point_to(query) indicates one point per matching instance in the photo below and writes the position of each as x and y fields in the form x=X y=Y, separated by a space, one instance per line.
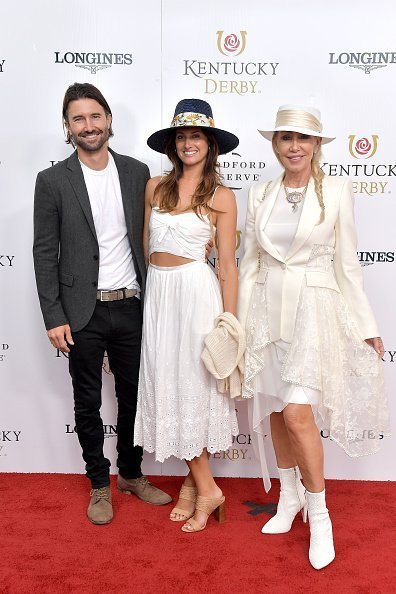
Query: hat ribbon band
x=190 y=119
x=298 y=118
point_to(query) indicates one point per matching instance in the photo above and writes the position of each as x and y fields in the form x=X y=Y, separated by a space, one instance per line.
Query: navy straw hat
x=191 y=113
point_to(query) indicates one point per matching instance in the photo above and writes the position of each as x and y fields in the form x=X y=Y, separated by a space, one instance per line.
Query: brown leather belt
x=115 y=295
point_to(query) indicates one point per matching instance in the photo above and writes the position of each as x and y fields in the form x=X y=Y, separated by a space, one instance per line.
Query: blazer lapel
x=309 y=218
x=262 y=215
x=77 y=182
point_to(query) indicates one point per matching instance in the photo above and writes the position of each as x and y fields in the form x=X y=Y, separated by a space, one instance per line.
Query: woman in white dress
x=312 y=341
x=180 y=410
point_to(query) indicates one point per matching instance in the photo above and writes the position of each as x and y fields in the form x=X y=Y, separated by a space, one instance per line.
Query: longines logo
x=240 y=170
x=366 y=61
x=108 y=430
x=355 y=435
x=6 y=261
x=231 y=76
x=367 y=258
x=363 y=147
x=93 y=61
x=8 y=437
x=105 y=365
x=213 y=261
x=2 y=66
x=3 y=348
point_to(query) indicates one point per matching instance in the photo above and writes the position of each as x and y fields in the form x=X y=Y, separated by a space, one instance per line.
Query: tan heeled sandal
x=188 y=494
x=207 y=505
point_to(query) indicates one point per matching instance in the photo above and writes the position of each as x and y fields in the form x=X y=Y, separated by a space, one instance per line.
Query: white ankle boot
x=291 y=501
x=321 y=548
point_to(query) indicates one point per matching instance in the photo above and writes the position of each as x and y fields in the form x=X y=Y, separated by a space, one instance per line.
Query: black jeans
x=115 y=327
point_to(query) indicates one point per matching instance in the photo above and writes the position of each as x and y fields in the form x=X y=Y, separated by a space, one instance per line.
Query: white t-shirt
x=116 y=268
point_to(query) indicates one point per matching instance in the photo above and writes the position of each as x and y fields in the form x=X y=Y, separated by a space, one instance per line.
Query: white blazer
x=284 y=276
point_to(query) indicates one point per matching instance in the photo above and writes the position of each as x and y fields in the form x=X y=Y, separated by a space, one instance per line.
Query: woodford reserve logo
x=230 y=76
x=93 y=61
x=366 y=61
x=236 y=170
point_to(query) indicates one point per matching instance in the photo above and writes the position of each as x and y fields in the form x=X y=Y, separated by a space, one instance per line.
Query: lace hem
x=192 y=453
x=328 y=355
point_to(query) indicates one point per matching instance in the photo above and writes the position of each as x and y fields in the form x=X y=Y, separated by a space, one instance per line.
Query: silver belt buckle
x=101 y=295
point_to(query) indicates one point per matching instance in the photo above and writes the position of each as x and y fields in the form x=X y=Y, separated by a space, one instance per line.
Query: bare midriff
x=165 y=259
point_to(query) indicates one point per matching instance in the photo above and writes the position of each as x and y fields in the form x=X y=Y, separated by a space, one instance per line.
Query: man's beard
x=91 y=147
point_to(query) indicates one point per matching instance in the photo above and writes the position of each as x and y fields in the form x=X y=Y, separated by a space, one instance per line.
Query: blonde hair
x=316 y=172
x=318 y=176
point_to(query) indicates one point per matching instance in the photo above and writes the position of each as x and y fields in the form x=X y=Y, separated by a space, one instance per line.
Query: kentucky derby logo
x=231 y=44
x=362 y=148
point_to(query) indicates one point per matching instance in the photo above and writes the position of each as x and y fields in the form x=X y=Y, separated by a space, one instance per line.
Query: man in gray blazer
x=90 y=274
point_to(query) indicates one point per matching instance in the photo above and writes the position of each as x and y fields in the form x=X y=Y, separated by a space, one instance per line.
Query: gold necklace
x=294 y=198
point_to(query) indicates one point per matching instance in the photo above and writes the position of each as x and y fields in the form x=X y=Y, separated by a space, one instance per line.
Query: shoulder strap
x=213 y=195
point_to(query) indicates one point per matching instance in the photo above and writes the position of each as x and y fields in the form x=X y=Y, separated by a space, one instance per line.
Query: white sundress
x=180 y=411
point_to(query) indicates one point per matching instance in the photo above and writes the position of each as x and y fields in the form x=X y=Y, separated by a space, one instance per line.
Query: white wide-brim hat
x=298 y=118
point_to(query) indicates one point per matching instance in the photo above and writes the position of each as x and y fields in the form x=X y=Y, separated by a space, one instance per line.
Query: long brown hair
x=316 y=172
x=166 y=194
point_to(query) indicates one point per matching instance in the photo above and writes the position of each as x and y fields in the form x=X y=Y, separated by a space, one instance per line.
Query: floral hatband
x=192 y=119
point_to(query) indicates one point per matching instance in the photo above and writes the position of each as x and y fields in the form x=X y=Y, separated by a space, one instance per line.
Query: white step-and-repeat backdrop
x=245 y=60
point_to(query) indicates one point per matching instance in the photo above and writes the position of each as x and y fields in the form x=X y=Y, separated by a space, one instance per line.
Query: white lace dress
x=327 y=365
x=179 y=410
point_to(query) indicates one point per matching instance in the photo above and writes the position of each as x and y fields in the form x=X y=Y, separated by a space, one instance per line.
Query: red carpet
x=48 y=546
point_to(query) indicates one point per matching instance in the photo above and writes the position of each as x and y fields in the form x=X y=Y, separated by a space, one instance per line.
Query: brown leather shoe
x=100 y=510
x=143 y=489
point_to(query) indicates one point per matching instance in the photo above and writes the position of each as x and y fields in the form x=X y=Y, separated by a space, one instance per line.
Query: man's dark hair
x=83 y=91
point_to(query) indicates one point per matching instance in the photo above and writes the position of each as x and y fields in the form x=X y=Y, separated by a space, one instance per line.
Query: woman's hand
x=377 y=345
x=208 y=249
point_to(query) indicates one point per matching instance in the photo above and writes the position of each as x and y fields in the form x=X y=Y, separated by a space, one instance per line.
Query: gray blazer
x=66 y=250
